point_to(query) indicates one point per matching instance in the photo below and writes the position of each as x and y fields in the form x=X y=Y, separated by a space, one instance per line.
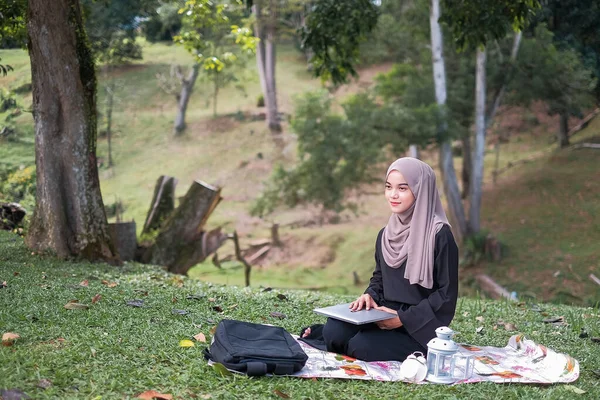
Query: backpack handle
x=255 y=368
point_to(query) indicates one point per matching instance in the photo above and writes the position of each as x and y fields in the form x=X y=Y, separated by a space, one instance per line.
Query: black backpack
x=255 y=349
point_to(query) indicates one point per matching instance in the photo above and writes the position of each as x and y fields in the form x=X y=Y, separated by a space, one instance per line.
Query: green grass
x=113 y=351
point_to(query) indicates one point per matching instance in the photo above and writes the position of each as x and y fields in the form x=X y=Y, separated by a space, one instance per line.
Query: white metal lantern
x=442 y=355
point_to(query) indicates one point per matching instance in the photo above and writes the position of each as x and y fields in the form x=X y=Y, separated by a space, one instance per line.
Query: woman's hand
x=365 y=301
x=391 y=323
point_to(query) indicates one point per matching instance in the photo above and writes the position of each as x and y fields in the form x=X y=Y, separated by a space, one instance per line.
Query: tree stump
x=181 y=242
x=275 y=235
x=493 y=248
x=162 y=205
x=124 y=238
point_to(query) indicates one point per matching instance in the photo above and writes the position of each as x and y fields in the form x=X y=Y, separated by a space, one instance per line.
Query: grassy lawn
x=115 y=351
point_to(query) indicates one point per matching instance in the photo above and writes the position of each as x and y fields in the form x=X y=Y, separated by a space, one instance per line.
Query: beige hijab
x=410 y=235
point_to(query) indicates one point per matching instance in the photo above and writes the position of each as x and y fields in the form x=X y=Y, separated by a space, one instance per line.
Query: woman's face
x=397 y=192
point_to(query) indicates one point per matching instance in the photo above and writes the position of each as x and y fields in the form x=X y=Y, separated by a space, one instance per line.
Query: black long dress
x=420 y=310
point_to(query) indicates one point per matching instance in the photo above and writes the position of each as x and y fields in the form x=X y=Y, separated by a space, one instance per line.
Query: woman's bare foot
x=306 y=332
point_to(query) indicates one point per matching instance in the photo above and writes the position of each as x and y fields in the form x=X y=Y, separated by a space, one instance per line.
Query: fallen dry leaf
x=200 y=337
x=510 y=327
x=136 y=303
x=282 y=296
x=9 y=338
x=71 y=305
x=109 y=284
x=281 y=394
x=96 y=298
x=574 y=389
x=480 y=318
x=206 y=396
x=277 y=314
x=3 y=285
x=213 y=330
x=218 y=308
x=84 y=283
x=153 y=394
x=44 y=383
x=16 y=273
x=232 y=307
x=212 y=299
x=186 y=343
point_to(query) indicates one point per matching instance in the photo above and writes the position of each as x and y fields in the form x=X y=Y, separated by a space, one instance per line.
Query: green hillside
x=543 y=211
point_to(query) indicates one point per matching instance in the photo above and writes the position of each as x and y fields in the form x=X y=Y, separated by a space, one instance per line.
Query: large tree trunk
x=69 y=217
x=265 y=29
x=563 y=132
x=455 y=206
x=479 y=151
x=187 y=86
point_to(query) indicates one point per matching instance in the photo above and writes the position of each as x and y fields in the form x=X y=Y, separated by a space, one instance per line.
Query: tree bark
x=479 y=151
x=69 y=217
x=265 y=28
x=500 y=94
x=187 y=86
x=109 y=107
x=455 y=207
x=162 y=205
x=563 y=132
x=467 y=164
x=413 y=151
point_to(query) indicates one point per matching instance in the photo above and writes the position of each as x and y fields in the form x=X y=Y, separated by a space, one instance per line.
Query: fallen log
x=262 y=251
x=181 y=242
x=490 y=287
x=162 y=205
x=595 y=279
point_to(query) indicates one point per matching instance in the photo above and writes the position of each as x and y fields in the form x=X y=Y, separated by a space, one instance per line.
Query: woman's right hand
x=365 y=301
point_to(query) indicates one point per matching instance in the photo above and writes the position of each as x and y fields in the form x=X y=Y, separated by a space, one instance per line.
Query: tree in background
x=69 y=218
x=12 y=27
x=556 y=77
x=112 y=26
x=475 y=23
x=574 y=24
x=335 y=151
x=210 y=34
x=333 y=32
x=165 y=22
x=266 y=15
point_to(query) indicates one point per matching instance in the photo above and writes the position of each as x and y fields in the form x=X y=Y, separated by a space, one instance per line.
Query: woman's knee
x=336 y=334
x=360 y=347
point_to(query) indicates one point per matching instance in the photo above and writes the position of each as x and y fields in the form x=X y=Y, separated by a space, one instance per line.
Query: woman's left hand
x=391 y=323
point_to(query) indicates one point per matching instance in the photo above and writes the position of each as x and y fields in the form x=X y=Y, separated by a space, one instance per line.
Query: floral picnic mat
x=521 y=361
